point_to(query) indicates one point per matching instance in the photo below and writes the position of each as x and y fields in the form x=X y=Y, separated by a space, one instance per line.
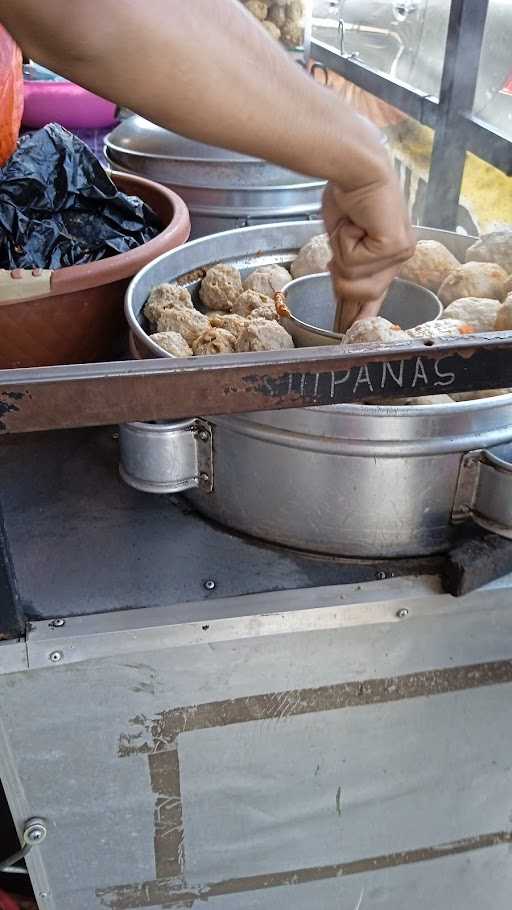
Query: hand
x=371 y=236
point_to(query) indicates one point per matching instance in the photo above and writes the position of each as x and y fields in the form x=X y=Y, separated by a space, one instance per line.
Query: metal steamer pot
x=350 y=480
x=223 y=190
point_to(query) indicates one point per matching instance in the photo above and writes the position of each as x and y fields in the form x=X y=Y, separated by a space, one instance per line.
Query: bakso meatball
x=493 y=247
x=374 y=329
x=430 y=265
x=478 y=312
x=504 y=316
x=220 y=287
x=266 y=311
x=172 y=343
x=277 y=15
x=479 y=396
x=249 y=301
x=258 y=8
x=292 y=33
x=188 y=323
x=228 y=321
x=272 y=29
x=445 y=328
x=267 y=280
x=214 y=341
x=163 y=298
x=264 y=335
x=474 y=279
x=314 y=257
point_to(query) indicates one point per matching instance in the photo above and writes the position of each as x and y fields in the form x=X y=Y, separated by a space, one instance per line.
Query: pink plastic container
x=63 y=102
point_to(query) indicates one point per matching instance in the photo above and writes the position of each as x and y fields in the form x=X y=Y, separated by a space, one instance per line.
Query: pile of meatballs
x=282 y=19
x=240 y=314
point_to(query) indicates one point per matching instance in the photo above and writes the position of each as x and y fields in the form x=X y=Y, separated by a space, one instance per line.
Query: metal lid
x=148 y=150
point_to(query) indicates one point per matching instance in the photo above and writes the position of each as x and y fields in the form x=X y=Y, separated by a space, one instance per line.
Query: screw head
x=55 y=657
x=380 y=576
x=35 y=831
x=204 y=435
x=204 y=477
x=57 y=623
x=210 y=584
x=401 y=614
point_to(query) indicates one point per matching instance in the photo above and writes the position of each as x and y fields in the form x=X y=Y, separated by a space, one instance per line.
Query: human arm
x=204 y=68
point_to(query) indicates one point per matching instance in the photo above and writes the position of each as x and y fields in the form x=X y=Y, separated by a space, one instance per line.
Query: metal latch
x=167 y=457
x=484 y=492
x=34 y=833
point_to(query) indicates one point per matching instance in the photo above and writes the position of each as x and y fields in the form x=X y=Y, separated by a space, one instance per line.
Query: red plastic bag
x=11 y=95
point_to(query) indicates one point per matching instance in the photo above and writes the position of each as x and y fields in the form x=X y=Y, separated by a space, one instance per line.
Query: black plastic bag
x=59 y=207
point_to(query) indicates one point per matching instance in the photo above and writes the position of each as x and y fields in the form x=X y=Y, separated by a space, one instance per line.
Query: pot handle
x=22 y=284
x=484 y=491
x=167 y=457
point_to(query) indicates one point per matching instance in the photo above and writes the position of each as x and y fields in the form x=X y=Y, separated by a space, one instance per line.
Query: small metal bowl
x=312 y=305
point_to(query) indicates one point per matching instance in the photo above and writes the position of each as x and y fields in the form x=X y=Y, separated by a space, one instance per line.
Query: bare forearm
x=205 y=69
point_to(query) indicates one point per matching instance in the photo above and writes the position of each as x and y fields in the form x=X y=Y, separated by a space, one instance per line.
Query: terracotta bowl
x=80 y=317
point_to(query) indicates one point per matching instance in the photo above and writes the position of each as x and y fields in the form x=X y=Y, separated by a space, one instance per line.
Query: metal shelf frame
x=456 y=129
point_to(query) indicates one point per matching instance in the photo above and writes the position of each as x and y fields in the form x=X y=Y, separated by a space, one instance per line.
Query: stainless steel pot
x=223 y=190
x=349 y=480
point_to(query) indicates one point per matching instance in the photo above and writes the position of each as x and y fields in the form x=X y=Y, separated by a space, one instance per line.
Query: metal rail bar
x=101 y=394
x=490 y=145
x=422 y=107
x=464 y=41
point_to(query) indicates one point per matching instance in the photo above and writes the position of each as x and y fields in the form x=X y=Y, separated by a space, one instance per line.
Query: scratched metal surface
x=286 y=809
x=81 y=541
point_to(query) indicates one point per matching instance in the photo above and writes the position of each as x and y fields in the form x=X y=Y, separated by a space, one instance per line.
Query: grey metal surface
x=312 y=305
x=366 y=763
x=83 y=542
x=353 y=480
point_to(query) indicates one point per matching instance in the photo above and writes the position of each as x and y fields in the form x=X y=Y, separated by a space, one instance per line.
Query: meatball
x=425 y=399
x=508 y=286
x=267 y=280
x=494 y=247
x=214 y=341
x=295 y=10
x=228 y=321
x=504 y=316
x=258 y=8
x=478 y=396
x=249 y=301
x=272 y=29
x=277 y=15
x=474 y=279
x=313 y=257
x=478 y=312
x=430 y=265
x=173 y=343
x=375 y=328
x=163 y=298
x=266 y=311
x=220 y=287
x=264 y=335
x=445 y=328
x=189 y=323
x=292 y=33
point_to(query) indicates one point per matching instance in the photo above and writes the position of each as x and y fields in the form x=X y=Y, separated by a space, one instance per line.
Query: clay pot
x=80 y=317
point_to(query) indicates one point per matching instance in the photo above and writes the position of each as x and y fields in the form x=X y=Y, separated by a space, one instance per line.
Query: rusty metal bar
x=165 y=389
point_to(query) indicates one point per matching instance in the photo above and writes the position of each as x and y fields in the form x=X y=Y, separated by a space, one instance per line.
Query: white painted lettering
x=363 y=378
x=419 y=373
x=449 y=378
x=335 y=381
x=397 y=376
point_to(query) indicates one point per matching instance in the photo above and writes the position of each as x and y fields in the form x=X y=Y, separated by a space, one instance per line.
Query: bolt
x=210 y=585
x=35 y=831
x=57 y=623
x=43 y=894
x=204 y=477
x=401 y=614
x=115 y=435
x=55 y=657
x=380 y=576
x=204 y=435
